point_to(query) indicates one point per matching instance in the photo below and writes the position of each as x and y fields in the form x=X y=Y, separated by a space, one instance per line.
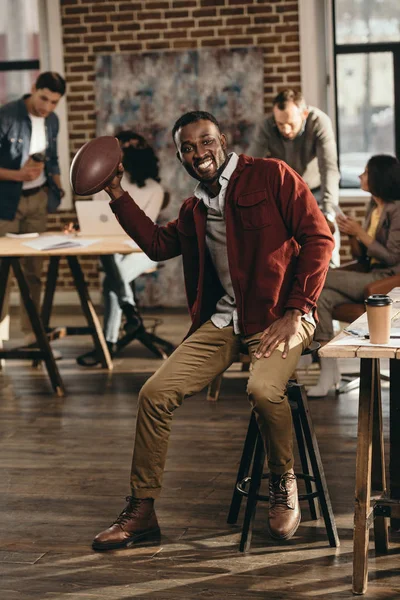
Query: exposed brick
x=66 y=2
x=176 y=14
x=204 y=12
x=287 y=8
x=71 y=20
x=232 y=10
x=95 y=18
x=293 y=37
x=230 y=31
x=289 y=48
x=257 y=29
x=214 y=42
x=169 y=35
x=155 y=5
x=130 y=6
x=128 y=26
x=82 y=107
x=267 y=19
x=121 y=17
x=75 y=29
x=157 y=45
x=94 y=38
x=183 y=23
x=241 y=41
x=145 y=16
x=159 y=25
x=148 y=35
x=73 y=59
x=184 y=3
x=104 y=8
x=104 y=48
x=238 y=21
x=212 y=2
x=259 y=9
x=292 y=18
x=100 y=28
x=76 y=10
x=286 y=28
x=210 y=22
x=184 y=44
x=121 y=37
x=201 y=33
x=69 y=49
x=132 y=46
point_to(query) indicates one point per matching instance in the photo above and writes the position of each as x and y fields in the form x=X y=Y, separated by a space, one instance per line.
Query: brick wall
x=92 y=27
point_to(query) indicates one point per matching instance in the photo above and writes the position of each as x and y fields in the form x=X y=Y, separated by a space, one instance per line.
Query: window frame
x=367 y=48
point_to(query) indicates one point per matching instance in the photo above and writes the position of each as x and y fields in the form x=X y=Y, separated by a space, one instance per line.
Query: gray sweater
x=312 y=154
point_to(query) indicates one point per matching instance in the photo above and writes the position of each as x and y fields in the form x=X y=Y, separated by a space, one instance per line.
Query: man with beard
x=303 y=137
x=255 y=250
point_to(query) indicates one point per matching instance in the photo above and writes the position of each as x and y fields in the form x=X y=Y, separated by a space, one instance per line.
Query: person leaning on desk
x=375 y=245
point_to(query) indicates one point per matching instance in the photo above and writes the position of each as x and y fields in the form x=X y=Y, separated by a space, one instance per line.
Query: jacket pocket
x=254 y=210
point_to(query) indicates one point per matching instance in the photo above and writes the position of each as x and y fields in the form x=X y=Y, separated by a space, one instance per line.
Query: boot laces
x=130 y=510
x=279 y=494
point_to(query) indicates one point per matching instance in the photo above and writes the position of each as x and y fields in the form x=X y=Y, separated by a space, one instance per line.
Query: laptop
x=95 y=217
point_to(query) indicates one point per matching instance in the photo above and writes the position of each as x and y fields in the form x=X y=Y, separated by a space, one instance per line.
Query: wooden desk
x=372 y=503
x=11 y=251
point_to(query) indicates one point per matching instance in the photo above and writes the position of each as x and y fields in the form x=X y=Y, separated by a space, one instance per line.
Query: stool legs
x=305 y=466
x=250 y=513
x=244 y=467
x=316 y=465
x=311 y=464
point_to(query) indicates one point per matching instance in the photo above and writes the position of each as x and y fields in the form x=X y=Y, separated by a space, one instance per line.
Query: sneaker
x=136 y=523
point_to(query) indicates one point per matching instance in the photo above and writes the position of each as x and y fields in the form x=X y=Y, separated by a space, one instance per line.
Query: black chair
x=147 y=335
x=253 y=457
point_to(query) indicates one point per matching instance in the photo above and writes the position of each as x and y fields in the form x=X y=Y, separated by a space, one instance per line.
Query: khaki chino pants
x=205 y=354
x=31 y=217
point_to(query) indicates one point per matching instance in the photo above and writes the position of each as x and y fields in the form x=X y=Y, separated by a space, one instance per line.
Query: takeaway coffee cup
x=378 y=315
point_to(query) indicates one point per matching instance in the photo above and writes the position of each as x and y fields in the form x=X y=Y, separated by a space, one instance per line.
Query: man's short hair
x=193 y=117
x=289 y=95
x=52 y=81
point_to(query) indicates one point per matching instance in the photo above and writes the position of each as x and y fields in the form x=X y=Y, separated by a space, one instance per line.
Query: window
x=367 y=69
x=19 y=48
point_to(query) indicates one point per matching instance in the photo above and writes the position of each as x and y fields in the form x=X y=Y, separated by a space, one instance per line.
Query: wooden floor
x=64 y=475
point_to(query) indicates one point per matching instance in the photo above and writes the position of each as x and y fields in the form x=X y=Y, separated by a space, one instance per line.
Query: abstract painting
x=148 y=92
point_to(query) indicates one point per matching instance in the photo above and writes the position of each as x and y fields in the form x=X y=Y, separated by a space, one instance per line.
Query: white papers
x=22 y=235
x=350 y=340
x=132 y=244
x=59 y=242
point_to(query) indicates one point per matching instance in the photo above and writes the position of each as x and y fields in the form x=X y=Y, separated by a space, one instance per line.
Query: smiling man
x=30 y=184
x=303 y=137
x=255 y=250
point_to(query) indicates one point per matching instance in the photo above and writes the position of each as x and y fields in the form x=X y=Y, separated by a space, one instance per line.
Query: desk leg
x=378 y=464
x=38 y=328
x=90 y=314
x=51 y=282
x=363 y=475
x=4 y=273
x=394 y=461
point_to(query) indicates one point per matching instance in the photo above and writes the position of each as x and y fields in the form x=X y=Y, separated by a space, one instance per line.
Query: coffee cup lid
x=378 y=300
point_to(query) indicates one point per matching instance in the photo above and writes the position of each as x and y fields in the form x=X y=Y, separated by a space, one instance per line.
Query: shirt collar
x=201 y=192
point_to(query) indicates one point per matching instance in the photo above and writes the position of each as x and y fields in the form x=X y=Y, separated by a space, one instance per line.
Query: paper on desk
x=132 y=244
x=58 y=242
x=22 y=235
x=352 y=340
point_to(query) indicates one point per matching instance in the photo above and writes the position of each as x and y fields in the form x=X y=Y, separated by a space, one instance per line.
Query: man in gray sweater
x=303 y=137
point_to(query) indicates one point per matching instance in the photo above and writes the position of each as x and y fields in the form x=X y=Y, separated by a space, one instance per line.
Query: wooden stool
x=311 y=464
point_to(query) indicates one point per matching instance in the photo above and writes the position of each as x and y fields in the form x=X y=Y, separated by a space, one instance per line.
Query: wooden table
x=373 y=504
x=12 y=250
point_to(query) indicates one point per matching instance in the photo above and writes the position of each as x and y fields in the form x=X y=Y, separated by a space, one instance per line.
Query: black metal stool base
x=253 y=456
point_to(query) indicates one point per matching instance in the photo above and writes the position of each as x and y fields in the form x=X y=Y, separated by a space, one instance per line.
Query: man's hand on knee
x=281 y=331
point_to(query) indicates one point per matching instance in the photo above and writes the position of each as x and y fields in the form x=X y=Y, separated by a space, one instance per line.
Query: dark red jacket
x=278 y=242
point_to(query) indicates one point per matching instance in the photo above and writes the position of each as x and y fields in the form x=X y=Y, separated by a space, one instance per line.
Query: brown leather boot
x=136 y=523
x=284 y=509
